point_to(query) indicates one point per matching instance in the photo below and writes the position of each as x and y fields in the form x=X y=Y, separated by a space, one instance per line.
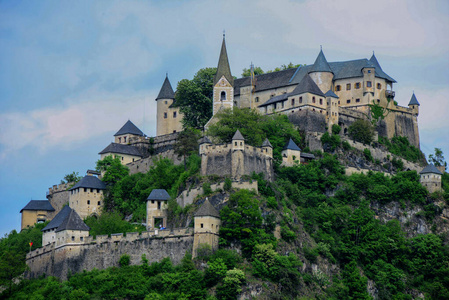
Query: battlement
x=59 y=188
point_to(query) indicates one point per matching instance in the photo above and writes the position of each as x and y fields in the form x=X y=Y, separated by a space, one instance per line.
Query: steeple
x=166 y=91
x=223 y=68
x=321 y=64
x=413 y=100
x=374 y=61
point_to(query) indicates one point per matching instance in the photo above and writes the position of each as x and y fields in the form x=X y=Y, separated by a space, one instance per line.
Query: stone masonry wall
x=58 y=196
x=105 y=252
x=143 y=165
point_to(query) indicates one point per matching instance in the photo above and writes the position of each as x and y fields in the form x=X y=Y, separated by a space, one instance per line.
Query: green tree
x=72 y=177
x=283 y=67
x=112 y=168
x=187 y=143
x=361 y=131
x=438 y=159
x=194 y=97
x=257 y=71
x=12 y=264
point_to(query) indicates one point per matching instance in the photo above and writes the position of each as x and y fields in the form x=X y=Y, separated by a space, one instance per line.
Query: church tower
x=223 y=82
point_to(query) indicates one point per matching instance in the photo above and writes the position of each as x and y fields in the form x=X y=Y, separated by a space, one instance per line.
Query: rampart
x=104 y=252
x=143 y=165
x=58 y=196
x=188 y=196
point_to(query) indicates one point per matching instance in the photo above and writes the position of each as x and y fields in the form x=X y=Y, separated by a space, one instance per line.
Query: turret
x=321 y=73
x=332 y=109
x=168 y=115
x=414 y=105
x=206 y=227
x=238 y=142
x=223 y=82
x=291 y=154
x=128 y=133
x=267 y=148
x=204 y=142
x=157 y=209
x=86 y=196
x=430 y=177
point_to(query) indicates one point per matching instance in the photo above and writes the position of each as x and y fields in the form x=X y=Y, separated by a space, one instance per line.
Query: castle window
x=73 y=238
x=99 y=202
x=152 y=201
x=124 y=139
x=369 y=71
x=223 y=96
x=257 y=99
x=338 y=88
x=348 y=86
x=91 y=190
x=235 y=143
x=165 y=102
x=368 y=84
x=159 y=205
x=98 y=190
x=348 y=101
x=293 y=102
x=357 y=100
x=357 y=85
x=338 y=102
x=321 y=101
x=122 y=157
x=88 y=202
x=282 y=103
x=379 y=86
x=81 y=239
x=313 y=100
x=119 y=139
x=174 y=114
x=85 y=189
x=165 y=115
x=378 y=100
x=300 y=100
x=241 y=143
x=174 y=131
x=202 y=225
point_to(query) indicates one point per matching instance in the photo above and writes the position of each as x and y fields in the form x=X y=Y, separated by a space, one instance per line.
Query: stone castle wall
x=143 y=165
x=105 y=252
x=58 y=196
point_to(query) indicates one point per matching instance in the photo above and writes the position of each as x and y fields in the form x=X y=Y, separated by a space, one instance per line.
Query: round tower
x=168 y=115
x=321 y=73
x=206 y=227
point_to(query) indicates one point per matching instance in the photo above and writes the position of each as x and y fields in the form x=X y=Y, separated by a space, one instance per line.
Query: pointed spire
x=321 y=64
x=413 y=100
x=223 y=68
x=374 y=61
x=238 y=136
x=166 y=91
x=267 y=143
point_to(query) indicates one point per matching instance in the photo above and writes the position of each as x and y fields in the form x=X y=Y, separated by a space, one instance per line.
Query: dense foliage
x=361 y=131
x=401 y=146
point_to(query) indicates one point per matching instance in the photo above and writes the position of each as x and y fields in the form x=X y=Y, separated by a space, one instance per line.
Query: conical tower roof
x=291 y=146
x=413 y=100
x=307 y=85
x=223 y=68
x=207 y=210
x=129 y=127
x=266 y=143
x=166 y=91
x=321 y=64
x=374 y=61
x=238 y=136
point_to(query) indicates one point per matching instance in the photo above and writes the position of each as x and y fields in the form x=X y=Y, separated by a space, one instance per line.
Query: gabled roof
x=430 y=169
x=413 y=100
x=38 y=205
x=207 y=210
x=166 y=91
x=276 y=99
x=130 y=128
x=159 y=194
x=204 y=140
x=90 y=182
x=307 y=85
x=223 y=68
x=121 y=149
x=266 y=143
x=330 y=93
x=291 y=146
x=58 y=219
x=266 y=81
x=321 y=64
x=238 y=136
x=73 y=222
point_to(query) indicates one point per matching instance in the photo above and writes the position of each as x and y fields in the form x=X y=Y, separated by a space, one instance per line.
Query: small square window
x=338 y=88
x=174 y=114
x=165 y=102
x=348 y=86
x=348 y=101
x=357 y=85
x=99 y=202
x=165 y=115
x=357 y=100
x=368 y=84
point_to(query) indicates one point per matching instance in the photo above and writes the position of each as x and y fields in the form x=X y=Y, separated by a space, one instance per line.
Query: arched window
x=321 y=101
x=223 y=96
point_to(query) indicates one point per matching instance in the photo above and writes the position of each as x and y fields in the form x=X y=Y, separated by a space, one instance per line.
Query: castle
x=314 y=97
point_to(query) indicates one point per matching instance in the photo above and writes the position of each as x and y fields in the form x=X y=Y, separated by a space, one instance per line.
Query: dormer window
x=223 y=96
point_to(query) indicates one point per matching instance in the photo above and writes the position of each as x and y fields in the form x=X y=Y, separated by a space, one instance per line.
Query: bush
x=272 y=203
x=398 y=163
x=330 y=142
x=361 y=131
x=346 y=146
x=368 y=155
x=124 y=260
x=336 y=129
x=227 y=186
x=207 y=189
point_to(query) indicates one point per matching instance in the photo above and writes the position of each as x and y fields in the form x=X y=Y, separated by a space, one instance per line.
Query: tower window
x=85 y=189
x=202 y=225
x=165 y=101
x=88 y=202
x=73 y=238
x=124 y=139
x=300 y=100
x=379 y=86
x=99 y=202
x=119 y=139
x=313 y=100
x=257 y=99
x=159 y=205
x=174 y=114
x=321 y=101
x=357 y=85
x=223 y=96
x=165 y=115
x=293 y=102
x=357 y=100
x=369 y=71
x=348 y=86
x=369 y=84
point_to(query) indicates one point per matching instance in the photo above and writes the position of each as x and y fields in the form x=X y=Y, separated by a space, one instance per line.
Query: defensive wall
x=188 y=196
x=143 y=165
x=104 y=252
x=58 y=195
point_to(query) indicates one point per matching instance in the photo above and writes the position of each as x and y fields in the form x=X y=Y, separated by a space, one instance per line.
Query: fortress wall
x=255 y=161
x=407 y=125
x=58 y=196
x=218 y=161
x=106 y=252
x=143 y=165
x=308 y=121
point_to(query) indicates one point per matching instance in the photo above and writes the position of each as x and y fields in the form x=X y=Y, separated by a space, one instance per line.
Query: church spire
x=223 y=68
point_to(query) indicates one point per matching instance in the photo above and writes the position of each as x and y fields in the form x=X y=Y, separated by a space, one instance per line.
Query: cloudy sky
x=73 y=72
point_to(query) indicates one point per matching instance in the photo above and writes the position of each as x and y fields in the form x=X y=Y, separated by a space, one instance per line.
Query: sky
x=73 y=72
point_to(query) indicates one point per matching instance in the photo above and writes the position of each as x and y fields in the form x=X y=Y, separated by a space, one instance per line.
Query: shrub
x=346 y=146
x=368 y=155
x=330 y=142
x=398 y=163
x=336 y=129
x=124 y=260
x=272 y=203
x=207 y=189
x=227 y=186
x=361 y=131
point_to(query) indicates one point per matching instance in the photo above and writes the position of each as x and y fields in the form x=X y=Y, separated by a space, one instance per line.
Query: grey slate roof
x=38 y=205
x=58 y=219
x=129 y=127
x=413 y=100
x=276 y=99
x=330 y=93
x=307 y=155
x=430 y=169
x=266 y=143
x=73 y=222
x=159 y=194
x=223 y=68
x=379 y=72
x=321 y=64
x=307 y=85
x=291 y=146
x=166 y=91
x=207 y=210
x=121 y=149
x=238 y=136
x=204 y=140
x=266 y=81
x=90 y=182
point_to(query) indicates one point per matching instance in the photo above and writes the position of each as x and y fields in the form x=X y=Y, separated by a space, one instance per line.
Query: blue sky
x=73 y=72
